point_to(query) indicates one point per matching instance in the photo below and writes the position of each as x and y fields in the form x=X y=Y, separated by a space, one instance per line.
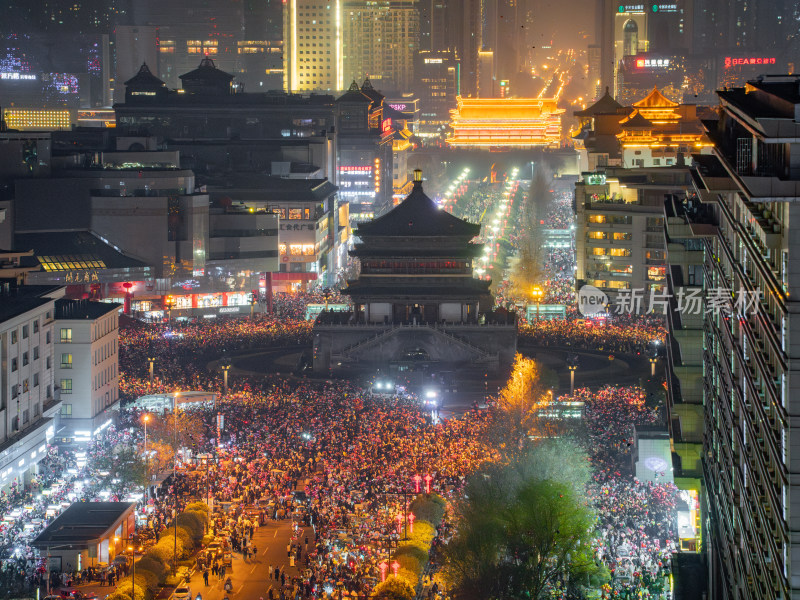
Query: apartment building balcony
x=764 y=228
x=710 y=178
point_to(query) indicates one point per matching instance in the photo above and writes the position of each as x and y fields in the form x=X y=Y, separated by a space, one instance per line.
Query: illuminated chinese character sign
x=630 y=8
x=731 y=61
x=652 y=63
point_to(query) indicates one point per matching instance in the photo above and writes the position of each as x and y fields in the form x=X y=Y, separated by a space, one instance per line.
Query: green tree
x=169 y=433
x=517 y=533
x=124 y=463
x=528 y=267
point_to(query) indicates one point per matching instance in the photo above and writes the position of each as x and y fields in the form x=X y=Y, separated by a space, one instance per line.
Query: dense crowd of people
x=339 y=463
x=627 y=334
x=637 y=527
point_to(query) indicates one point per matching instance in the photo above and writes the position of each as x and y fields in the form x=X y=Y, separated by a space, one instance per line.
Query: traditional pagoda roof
x=354 y=94
x=370 y=92
x=636 y=121
x=144 y=78
x=418 y=215
x=655 y=100
x=604 y=106
x=208 y=72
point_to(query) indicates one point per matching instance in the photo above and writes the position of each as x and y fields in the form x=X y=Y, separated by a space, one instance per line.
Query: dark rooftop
x=83 y=522
x=144 y=78
x=354 y=94
x=250 y=99
x=604 y=106
x=417 y=215
x=765 y=99
x=709 y=165
x=83 y=309
x=55 y=248
x=15 y=301
x=207 y=71
x=368 y=90
x=277 y=189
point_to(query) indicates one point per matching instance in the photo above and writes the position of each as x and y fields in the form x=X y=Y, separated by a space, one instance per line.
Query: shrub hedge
x=412 y=554
x=153 y=569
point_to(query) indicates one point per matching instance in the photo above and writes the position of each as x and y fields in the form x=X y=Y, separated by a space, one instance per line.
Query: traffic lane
x=251 y=578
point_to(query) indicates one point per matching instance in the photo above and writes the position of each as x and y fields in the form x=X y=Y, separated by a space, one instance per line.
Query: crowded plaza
x=332 y=469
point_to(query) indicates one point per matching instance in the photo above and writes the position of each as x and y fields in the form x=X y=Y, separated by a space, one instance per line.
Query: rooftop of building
x=144 y=78
x=522 y=109
x=83 y=522
x=75 y=250
x=604 y=106
x=636 y=121
x=72 y=310
x=176 y=99
x=765 y=97
x=276 y=189
x=418 y=215
x=709 y=165
x=655 y=99
x=17 y=300
x=197 y=84
x=207 y=71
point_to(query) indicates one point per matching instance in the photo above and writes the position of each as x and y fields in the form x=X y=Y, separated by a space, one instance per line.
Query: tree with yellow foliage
x=520 y=401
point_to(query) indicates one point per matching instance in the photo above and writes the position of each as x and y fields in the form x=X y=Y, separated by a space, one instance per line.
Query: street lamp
x=572 y=365
x=652 y=354
x=169 y=302
x=175 y=486
x=326 y=293
x=152 y=362
x=538 y=294
x=133 y=568
x=145 y=420
x=225 y=366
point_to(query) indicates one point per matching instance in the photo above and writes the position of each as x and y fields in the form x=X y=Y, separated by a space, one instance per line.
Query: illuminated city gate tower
x=415 y=300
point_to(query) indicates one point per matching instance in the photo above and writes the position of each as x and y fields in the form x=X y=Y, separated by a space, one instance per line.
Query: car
x=182 y=593
x=214 y=549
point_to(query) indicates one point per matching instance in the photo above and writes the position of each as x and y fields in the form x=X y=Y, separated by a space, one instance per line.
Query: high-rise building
x=29 y=421
x=188 y=32
x=463 y=27
x=432 y=25
x=725 y=25
x=437 y=82
x=134 y=45
x=312 y=38
x=634 y=156
x=49 y=70
x=259 y=65
x=380 y=42
x=86 y=367
x=740 y=224
x=364 y=149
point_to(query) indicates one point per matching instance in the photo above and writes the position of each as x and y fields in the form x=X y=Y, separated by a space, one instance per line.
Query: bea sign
x=730 y=61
